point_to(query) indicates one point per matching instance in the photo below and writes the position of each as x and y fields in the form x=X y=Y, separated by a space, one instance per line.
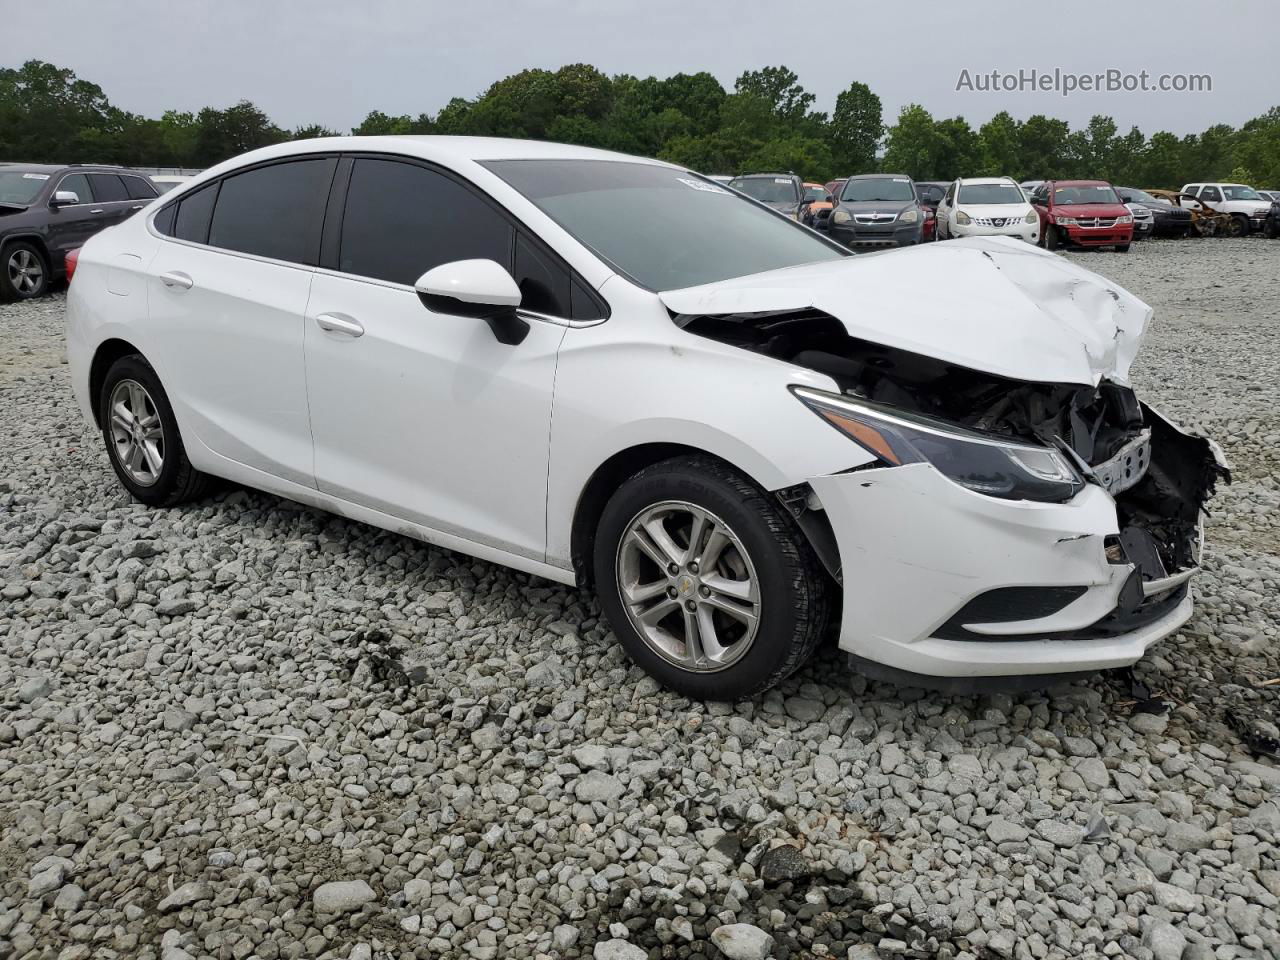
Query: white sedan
x=607 y=370
x=987 y=207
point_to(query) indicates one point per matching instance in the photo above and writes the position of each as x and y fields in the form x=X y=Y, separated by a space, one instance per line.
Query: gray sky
x=331 y=61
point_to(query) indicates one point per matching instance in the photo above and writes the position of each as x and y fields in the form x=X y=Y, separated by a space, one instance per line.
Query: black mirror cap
x=506 y=325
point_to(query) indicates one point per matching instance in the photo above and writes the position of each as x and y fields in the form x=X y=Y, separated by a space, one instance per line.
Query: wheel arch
x=37 y=241
x=107 y=353
x=606 y=479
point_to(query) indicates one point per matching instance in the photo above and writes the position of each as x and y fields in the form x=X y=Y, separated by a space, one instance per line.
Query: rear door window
x=107 y=188
x=402 y=219
x=274 y=211
x=139 y=189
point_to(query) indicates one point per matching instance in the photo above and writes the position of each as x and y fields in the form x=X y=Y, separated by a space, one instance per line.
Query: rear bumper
x=921 y=556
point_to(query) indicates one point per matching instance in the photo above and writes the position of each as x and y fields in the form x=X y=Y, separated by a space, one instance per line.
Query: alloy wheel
x=689 y=586
x=26 y=272
x=137 y=433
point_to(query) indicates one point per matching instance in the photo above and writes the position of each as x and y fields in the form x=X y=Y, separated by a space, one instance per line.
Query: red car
x=1087 y=213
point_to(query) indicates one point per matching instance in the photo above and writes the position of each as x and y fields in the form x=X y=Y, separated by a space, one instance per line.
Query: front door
x=424 y=415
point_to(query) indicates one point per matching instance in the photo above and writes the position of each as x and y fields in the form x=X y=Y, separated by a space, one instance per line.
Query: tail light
x=73 y=257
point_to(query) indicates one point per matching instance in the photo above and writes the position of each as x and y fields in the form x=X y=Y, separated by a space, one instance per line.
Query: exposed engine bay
x=1159 y=476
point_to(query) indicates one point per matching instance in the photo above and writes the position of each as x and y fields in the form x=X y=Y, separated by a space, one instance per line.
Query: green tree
x=48 y=114
x=780 y=88
x=224 y=133
x=1046 y=151
x=1001 y=145
x=911 y=146
x=378 y=124
x=857 y=126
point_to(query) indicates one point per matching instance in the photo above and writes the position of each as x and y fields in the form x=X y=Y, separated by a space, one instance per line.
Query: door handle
x=336 y=323
x=98 y=210
x=178 y=279
x=138 y=207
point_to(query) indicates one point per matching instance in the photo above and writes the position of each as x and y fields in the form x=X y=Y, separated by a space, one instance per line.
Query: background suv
x=783 y=191
x=46 y=211
x=877 y=210
x=987 y=207
x=1083 y=212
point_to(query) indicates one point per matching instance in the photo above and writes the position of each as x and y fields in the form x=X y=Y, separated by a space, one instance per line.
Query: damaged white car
x=600 y=369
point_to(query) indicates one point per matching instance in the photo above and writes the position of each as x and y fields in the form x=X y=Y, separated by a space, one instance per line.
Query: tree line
x=766 y=123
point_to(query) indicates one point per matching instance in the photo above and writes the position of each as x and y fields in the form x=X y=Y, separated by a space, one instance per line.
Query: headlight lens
x=1031 y=217
x=1124 y=219
x=979 y=462
x=911 y=216
x=1065 y=221
x=840 y=216
x=963 y=218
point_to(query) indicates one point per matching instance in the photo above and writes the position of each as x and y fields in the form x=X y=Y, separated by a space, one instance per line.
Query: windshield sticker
x=35 y=176
x=901 y=180
x=781 y=180
x=702 y=185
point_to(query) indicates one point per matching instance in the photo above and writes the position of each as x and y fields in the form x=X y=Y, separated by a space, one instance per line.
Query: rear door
x=419 y=414
x=111 y=196
x=141 y=191
x=227 y=297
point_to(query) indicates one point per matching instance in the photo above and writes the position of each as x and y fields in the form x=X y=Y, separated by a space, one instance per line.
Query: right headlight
x=981 y=462
x=963 y=218
x=840 y=216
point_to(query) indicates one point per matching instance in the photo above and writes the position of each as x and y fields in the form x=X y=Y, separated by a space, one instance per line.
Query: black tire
x=1122 y=248
x=795 y=593
x=1239 y=226
x=1050 y=237
x=26 y=286
x=177 y=480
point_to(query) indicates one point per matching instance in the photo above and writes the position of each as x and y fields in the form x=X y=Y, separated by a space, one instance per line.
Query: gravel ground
x=249 y=729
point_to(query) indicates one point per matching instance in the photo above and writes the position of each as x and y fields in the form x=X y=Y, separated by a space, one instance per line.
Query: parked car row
x=46 y=211
x=892 y=210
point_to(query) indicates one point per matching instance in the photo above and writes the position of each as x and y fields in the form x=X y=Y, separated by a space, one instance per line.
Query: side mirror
x=475 y=288
x=64 y=198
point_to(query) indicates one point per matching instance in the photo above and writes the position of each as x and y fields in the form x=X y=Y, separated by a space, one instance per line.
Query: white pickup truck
x=1248 y=208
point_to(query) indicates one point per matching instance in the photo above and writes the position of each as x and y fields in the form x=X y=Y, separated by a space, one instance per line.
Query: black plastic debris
x=1140 y=695
x=1253 y=735
x=1097 y=830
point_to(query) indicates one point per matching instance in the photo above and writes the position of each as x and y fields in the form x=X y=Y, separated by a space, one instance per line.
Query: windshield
x=1139 y=196
x=815 y=191
x=887 y=189
x=1091 y=193
x=1233 y=192
x=990 y=193
x=767 y=189
x=928 y=193
x=21 y=186
x=664 y=228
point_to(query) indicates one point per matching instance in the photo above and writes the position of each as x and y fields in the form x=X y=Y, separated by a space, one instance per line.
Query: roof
x=981 y=181
x=461 y=148
x=748 y=176
x=880 y=176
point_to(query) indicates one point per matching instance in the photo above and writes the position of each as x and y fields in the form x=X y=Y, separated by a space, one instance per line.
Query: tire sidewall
x=133 y=367
x=7 y=291
x=759 y=667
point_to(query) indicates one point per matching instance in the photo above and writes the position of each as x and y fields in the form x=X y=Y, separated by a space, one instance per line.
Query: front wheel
x=142 y=439
x=1239 y=226
x=1122 y=248
x=709 y=584
x=1050 y=237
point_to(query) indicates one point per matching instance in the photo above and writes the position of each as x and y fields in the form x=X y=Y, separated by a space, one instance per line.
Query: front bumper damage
x=943 y=583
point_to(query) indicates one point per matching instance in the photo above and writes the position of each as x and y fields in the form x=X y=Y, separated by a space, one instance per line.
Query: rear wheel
x=707 y=581
x=24 y=273
x=142 y=439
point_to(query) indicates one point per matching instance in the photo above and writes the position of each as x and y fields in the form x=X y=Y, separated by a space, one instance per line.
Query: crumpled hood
x=993 y=304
